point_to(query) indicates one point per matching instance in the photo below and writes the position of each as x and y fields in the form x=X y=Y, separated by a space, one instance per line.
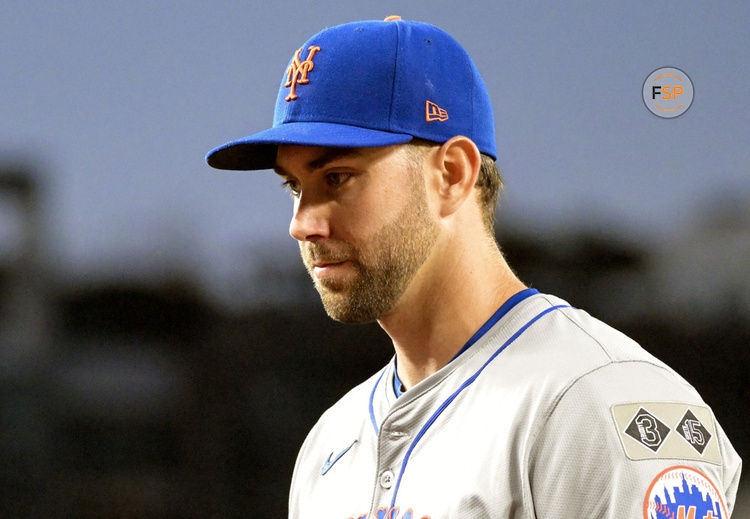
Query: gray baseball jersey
x=545 y=413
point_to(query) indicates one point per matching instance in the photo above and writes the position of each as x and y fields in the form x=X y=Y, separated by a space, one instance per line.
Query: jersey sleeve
x=631 y=439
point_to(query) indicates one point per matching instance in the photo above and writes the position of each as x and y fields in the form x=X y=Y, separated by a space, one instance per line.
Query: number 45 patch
x=667 y=430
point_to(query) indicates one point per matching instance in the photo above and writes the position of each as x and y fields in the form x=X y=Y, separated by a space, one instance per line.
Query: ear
x=459 y=161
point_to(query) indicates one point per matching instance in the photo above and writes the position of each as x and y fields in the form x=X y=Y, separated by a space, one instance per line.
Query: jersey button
x=386 y=479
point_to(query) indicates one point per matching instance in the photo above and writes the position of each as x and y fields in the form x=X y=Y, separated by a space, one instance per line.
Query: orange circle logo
x=683 y=492
x=668 y=92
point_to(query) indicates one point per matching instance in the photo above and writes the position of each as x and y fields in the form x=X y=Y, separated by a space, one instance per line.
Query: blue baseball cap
x=371 y=83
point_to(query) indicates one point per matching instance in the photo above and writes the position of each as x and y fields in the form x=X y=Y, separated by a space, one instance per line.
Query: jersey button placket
x=386 y=479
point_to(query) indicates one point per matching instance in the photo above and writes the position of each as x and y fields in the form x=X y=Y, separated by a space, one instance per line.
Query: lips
x=323 y=264
x=323 y=269
x=326 y=261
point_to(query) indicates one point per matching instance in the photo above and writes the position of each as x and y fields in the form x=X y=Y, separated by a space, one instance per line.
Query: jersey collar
x=507 y=306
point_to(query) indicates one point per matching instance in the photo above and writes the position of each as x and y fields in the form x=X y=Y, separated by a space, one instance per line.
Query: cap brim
x=258 y=151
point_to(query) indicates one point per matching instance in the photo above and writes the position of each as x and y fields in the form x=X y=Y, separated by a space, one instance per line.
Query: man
x=500 y=401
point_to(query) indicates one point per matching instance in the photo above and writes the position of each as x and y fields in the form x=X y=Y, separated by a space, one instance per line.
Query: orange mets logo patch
x=683 y=492
x=434 y=113
x=296 y=74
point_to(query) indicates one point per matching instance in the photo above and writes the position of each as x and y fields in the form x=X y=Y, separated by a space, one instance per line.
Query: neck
x=445 y=305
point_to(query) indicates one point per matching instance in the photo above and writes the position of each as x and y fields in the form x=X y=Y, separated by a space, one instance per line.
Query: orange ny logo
x=297 y=71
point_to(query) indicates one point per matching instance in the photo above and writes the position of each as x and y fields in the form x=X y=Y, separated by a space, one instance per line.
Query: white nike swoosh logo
x=329 y=462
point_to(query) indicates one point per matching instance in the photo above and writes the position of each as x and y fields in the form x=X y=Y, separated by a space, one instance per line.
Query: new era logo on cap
x=434 y=113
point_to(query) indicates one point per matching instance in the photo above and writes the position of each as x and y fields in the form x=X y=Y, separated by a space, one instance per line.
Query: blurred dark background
x=128 y=397
x=162 y=351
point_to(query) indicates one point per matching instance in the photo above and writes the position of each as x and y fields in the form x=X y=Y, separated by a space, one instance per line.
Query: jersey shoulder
x=633 y=429
x=626 y=421
x=582 y=343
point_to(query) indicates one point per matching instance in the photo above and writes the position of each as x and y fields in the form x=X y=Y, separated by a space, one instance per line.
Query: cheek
x=364 y=219
x=353 y=223
x=376 y=203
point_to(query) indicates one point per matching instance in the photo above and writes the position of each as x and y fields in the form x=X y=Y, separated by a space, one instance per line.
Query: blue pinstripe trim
x=463 y=386
x=372 y=396
x=499 y=314
x=492 y=321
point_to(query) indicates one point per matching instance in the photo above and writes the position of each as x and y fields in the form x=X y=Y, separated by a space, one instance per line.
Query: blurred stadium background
x=162 y=351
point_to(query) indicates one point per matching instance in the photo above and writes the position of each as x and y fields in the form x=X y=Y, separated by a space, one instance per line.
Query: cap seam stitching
x=473 y=86
x=395 y=71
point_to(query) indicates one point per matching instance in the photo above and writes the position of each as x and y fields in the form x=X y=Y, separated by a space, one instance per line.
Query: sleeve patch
x=683 y=492
x=667 y=430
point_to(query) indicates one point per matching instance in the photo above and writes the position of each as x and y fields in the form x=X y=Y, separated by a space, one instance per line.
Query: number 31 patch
x=667 y=430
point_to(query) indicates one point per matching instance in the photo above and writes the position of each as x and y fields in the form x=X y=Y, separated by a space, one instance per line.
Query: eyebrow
x=330 y=155
x=327 y=157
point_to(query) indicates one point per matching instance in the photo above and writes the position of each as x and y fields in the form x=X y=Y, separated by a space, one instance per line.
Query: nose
x=310 y=220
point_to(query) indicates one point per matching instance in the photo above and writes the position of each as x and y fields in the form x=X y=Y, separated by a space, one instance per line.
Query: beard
x=384 y=266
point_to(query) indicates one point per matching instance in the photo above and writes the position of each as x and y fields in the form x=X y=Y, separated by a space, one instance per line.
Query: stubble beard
x=385 y=265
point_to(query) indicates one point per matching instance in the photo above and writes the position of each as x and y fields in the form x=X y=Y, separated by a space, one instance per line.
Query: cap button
x=392 y=18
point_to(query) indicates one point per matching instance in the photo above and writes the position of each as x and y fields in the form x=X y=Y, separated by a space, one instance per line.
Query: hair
x=489 y=184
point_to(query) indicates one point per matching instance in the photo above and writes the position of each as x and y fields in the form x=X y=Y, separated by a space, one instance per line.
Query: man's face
x=362 y=222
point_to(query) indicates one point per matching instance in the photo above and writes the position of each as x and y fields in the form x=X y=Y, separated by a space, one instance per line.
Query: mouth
x=324 y=269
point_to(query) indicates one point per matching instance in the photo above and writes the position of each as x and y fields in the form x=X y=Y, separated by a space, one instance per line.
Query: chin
x=347 y=316
x=340 y=308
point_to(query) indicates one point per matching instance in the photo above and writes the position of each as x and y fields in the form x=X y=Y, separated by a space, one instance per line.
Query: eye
x=291 y=186
x=336 y=178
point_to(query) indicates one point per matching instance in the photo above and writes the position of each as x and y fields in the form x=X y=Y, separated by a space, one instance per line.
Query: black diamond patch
x=694 y=432
x=647 y=429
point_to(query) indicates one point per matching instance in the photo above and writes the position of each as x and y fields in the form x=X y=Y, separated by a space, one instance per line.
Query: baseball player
x=500 y=401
